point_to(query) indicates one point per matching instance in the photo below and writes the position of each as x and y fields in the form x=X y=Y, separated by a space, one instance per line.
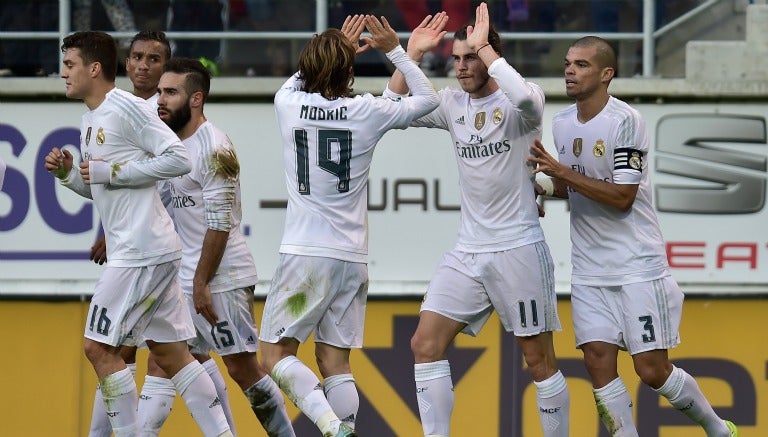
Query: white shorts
x=234 y=332
x=637 y=317
x=517 y=283
x=133 y=304
x=324 y=295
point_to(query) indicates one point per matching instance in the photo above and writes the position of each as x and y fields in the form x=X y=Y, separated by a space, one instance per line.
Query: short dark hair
x=198 y=78
x=493 y=37
x=153 y=35
x=326 y=65
x=606 y=54
x=95 y=47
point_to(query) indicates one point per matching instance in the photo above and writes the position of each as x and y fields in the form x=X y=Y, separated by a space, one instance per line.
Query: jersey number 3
x=327 y=141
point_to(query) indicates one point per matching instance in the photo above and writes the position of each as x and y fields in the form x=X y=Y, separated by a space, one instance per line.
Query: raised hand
x=352 y=28
x=543 y=161
x=477 y=35
x=383 y=36
x=427 y=35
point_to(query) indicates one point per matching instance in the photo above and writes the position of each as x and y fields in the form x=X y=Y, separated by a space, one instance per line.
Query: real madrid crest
x=497 y=116
x=479 y=120
x=599 y=149
x=635 y=161
x=88 y=136
x=100 y=137
x=577 y=142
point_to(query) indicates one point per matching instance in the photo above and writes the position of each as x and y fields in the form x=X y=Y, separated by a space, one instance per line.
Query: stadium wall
x=48 y=384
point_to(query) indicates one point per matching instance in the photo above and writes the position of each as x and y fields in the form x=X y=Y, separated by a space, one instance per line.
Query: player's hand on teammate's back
x=427 y=35
x=352 y=28
x=383 y=36
x=59 y=162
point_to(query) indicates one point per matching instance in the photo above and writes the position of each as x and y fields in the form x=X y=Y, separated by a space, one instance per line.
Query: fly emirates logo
x=475 y=148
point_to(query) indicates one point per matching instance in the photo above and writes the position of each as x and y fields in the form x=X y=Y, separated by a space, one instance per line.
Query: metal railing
x=648 y=36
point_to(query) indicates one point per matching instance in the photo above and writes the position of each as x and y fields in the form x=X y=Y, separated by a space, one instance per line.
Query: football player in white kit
x=501 y=261
x=147 y=54
x=217 y=272
x=622 y=293
x=126 y=149
x=321 y=280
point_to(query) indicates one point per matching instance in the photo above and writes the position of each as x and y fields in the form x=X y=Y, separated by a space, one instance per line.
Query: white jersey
x=491 y=139
x=125 y=131
x=611 y=247
x=208 y=197
x=327 y=150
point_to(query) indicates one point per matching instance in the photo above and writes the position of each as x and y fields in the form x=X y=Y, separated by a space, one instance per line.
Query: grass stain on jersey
x=116 y=168
x=224 y=163
x=61 y=172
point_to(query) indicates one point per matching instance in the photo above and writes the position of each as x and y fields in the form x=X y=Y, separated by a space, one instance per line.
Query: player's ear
x=197 y=99
x=608 y=73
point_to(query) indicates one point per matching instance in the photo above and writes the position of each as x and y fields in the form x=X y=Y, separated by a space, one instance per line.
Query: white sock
x=268 y=404
x=199 y=393
x=682 y=391
x=434 y=391
x=615 y=409
x=554 y=403
x=100 y=426
x=155 y=403
x=119 y=393
x=303 y=389
x=343 y=397
x=221 y=390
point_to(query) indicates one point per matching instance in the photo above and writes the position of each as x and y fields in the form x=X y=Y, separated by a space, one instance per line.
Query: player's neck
x=588 y=108
x=144 y=94
x=98 y=94
x=190 y=128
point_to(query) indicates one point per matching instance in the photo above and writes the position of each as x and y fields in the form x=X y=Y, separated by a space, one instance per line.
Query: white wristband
x=99 y=172
x=547 y=185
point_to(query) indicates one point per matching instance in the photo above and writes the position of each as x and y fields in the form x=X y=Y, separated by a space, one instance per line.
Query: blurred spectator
x=606 y=18
x=119 y=13
x=150 y=14
x=459 y=11
x=198 y=16
x=29 y=57
x=527 y=16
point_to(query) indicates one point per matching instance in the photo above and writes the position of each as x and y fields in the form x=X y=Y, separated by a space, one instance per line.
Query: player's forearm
x=74 y=181
x=424 y=97
x=214 y=244
x=618 y=196
x=397 y=83
x=171 y=163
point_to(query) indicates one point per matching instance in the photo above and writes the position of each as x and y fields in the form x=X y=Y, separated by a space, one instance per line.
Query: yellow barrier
x=48 y=385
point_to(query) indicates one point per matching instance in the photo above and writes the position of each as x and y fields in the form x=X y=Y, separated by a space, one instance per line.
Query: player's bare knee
x=244 y=369
x=652 y=374
x=96 y=352
x=425 y=349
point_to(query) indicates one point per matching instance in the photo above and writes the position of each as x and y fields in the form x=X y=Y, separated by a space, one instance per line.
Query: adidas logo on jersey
x=460 y=120
x=250 y=340
x=215 y=403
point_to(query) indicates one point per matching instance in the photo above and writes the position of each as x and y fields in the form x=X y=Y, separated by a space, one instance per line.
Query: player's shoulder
x=621 y=110
x=130 y=107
